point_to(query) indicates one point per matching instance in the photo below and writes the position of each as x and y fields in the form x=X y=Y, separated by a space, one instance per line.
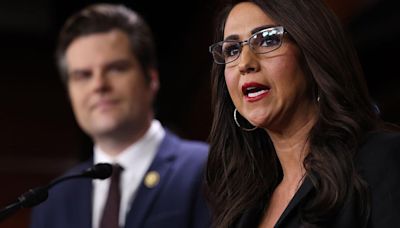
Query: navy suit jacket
x=177 y=200
x=378 y=163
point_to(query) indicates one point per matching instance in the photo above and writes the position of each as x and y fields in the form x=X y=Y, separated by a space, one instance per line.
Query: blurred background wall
x=38 y=134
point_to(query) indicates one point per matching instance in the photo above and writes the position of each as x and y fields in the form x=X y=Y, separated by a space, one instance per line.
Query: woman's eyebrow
x=232 y=37
x=254 y=30
x=259 y=28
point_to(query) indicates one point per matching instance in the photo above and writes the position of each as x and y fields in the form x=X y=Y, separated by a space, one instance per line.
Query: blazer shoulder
x=185 y=148
x=68 y=202
x=380 y=145
x=379 y=156
x=68 y=188
x=80 y=167
x=378 y=164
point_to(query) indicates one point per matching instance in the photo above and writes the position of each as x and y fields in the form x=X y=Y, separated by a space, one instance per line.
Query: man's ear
x=154 y=81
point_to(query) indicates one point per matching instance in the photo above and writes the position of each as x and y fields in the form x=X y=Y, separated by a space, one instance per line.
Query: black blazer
x=378 y=163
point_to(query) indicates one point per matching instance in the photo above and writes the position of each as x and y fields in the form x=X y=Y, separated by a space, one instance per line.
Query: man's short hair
x=101 y=18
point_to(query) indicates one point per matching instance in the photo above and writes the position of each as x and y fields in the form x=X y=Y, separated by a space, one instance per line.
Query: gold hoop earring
x=237 y=123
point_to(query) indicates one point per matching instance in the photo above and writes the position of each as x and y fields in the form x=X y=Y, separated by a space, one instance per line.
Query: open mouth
x=252 y=90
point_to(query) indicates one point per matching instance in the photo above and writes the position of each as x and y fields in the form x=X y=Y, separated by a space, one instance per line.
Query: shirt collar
x=134 y=152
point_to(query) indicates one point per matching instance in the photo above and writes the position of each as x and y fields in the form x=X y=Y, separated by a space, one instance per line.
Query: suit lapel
x=78 y=204
x=147 y=194
x=84 y=203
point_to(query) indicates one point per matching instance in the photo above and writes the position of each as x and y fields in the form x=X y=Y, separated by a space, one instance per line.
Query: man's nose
x=100 y=81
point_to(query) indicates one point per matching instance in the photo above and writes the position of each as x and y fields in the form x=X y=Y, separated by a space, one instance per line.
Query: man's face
x=108 y=89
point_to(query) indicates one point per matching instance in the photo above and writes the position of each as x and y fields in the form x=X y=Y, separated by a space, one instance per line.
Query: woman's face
x=269 y=90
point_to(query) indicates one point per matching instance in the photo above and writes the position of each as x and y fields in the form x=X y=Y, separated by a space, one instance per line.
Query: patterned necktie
x=110 y=218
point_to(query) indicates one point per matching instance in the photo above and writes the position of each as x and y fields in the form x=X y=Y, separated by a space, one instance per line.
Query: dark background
x=39 y=136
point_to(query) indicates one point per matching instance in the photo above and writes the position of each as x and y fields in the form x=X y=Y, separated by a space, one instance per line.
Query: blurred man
x=107 y=60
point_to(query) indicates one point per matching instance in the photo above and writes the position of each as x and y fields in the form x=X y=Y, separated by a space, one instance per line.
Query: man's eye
x=80 y=76
x=118 y=68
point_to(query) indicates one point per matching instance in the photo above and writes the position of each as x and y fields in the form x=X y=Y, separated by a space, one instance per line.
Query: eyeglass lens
x=261 y=42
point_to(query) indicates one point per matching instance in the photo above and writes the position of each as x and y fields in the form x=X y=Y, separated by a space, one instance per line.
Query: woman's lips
x=258 y=93
x=254 y=91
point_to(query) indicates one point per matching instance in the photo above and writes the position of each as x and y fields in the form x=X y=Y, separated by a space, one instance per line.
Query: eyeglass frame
x=247 y=41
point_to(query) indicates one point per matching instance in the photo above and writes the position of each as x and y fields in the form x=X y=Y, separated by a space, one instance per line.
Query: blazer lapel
x=251 y=217
x=304 y=189
x=147 y=194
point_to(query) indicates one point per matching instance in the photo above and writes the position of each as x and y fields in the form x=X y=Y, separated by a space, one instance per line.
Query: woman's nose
x=248 y=61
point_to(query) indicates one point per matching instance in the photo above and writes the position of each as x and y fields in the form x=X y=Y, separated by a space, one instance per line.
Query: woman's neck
x=292 y=146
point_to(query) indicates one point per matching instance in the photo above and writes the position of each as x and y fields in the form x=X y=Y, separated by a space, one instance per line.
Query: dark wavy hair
x=243 y=167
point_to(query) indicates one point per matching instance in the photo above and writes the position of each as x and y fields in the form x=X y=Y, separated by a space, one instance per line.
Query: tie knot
x=116 y=169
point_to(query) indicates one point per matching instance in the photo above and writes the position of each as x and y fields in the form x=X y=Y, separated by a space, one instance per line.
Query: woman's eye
x=231 y=50
x=269 y=41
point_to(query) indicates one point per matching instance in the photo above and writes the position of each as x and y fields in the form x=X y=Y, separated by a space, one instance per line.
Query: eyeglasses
x=261 y=42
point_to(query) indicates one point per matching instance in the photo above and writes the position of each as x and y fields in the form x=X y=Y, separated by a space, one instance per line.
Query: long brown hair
x=243 y=168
